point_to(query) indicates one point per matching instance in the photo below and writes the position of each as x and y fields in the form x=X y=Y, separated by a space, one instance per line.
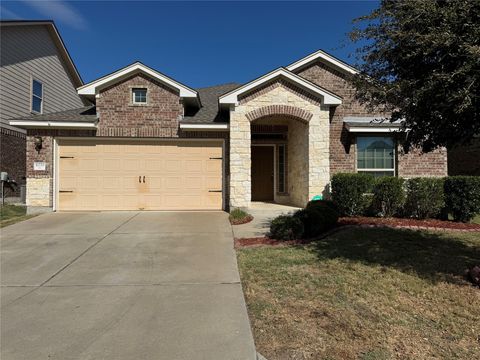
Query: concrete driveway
x=122 y=285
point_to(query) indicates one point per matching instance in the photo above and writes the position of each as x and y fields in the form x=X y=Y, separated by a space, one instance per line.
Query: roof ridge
x=213 y=86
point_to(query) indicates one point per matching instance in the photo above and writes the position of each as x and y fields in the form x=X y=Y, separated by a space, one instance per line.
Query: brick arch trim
x=287 y=110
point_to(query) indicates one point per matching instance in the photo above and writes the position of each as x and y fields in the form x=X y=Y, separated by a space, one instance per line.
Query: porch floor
x=263 y=213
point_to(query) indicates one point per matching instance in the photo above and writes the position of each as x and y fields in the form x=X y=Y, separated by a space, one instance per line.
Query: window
x=37 y=96
x=281 y=168
x=376 y=155
x=139 y=96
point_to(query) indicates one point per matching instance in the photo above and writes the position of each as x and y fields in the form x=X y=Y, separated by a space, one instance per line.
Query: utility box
x=23 y=194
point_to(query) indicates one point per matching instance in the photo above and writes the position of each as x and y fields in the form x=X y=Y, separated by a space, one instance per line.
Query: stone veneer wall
x=281 y=94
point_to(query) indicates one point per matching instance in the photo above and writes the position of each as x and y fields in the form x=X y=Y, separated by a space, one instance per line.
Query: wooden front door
x=262 y=173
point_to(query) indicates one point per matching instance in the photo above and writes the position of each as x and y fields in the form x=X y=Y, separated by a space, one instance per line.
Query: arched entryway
x=279 y=154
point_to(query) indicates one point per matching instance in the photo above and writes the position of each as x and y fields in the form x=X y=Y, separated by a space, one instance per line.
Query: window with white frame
x=376 y=155
x=37 y=96
x=139 y=95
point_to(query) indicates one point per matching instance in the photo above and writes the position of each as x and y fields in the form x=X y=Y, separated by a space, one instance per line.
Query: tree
x=420 y=60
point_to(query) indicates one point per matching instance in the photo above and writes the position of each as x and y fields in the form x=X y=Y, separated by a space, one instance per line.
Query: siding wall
x=29 y=51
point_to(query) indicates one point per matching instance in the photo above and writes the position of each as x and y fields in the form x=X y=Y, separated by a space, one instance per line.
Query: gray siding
x=29 y=52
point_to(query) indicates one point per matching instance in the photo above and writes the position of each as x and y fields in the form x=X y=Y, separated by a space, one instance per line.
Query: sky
x=197 y=43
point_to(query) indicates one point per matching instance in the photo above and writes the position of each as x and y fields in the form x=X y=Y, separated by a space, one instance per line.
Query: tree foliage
x=420 y=60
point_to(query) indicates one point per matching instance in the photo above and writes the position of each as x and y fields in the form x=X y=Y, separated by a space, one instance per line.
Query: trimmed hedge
x=462 y=197
x=425 y=198
x=349 y=193
x=317 y=217
x=286 y=227
x=388 y=196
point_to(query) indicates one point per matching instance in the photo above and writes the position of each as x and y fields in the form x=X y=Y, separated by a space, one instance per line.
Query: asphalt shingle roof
x=209 y=112
x=83 y=114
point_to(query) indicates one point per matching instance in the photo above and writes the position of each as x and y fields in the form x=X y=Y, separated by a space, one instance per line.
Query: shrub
x=322 y=203
x=238 y=216
x=388 y=196
x=425 y=198
x=286 y=227
x=462 y=196
x=349 y=193
x=317 y=219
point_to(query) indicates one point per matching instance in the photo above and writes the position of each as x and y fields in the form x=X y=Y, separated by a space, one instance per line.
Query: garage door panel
x=104 y=175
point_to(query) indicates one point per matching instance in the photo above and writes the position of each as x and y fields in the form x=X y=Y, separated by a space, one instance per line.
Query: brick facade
x=12 y=157
x=120 y=117
x=342 y=144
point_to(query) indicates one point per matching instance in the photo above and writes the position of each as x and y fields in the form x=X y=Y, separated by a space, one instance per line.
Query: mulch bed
x=368 y=222
x=428 y=224
x=241 y=221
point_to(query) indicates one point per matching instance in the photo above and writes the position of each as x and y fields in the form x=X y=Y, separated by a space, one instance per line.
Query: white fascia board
x=372 y=129
x=91 y=88
x=207 y=127
x=320 y=54
x=328 y=98
x=52 y=124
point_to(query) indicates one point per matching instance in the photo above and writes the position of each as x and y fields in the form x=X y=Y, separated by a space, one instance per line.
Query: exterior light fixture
x=38 y=141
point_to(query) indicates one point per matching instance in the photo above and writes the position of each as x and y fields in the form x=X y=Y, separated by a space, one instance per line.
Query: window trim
x=32 y=110
x=134 y=102
x=372 y=170
x=282 y=148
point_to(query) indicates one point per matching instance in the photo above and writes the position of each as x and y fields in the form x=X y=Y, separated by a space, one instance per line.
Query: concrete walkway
x=124 y=285
x=262 y=213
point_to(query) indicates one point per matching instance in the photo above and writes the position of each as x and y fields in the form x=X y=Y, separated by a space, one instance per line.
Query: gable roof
x=328 y=97
x=321 y=55
x=57 y=39
x=137 y=67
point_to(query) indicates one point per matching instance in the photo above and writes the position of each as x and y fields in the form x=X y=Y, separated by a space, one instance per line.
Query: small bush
x=388 y=196
x=317 y=219
x=322 y=203
x=425 y=198
x=238 y=216
x=349 y=193
x=462 y=197
x=286 y=227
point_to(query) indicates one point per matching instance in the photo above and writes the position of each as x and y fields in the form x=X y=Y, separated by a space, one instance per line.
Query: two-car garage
x=107 y=174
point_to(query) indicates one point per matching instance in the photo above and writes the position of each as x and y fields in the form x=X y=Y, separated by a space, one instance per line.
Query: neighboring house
x=465 y=159
x=37 y=76
x=153 y=143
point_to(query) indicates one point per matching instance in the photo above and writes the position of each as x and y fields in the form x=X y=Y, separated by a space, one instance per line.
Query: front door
x=262 y=173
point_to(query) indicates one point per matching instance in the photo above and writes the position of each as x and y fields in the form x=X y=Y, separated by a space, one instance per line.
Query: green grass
x=476 y=219
x=11 y=214
x=238 y=216
x=365 y=294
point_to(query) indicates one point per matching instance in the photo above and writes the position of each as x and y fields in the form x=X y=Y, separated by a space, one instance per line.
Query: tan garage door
x=140 y=175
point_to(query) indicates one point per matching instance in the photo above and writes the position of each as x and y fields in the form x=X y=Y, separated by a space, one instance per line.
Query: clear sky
x=196 y=43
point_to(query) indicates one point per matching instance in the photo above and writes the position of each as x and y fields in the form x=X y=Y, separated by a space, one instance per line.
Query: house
x=150 y=142
x=37 y=76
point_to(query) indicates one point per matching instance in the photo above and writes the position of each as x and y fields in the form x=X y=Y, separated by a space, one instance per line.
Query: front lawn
x=365 y=294
x=11 y=214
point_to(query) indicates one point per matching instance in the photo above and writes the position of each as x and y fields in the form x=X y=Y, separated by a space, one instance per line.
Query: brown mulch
x=241 y=221
x=427 y=224
x=261 y=241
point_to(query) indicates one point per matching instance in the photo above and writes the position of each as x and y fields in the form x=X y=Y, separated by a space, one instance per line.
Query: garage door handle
x=65 y=191
x=67 y=157
x=140 y=179
x=214 y=190
x=144 y=179
x=216 y=158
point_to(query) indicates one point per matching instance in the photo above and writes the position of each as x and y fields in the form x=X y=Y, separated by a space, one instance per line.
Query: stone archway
x=311 y=121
